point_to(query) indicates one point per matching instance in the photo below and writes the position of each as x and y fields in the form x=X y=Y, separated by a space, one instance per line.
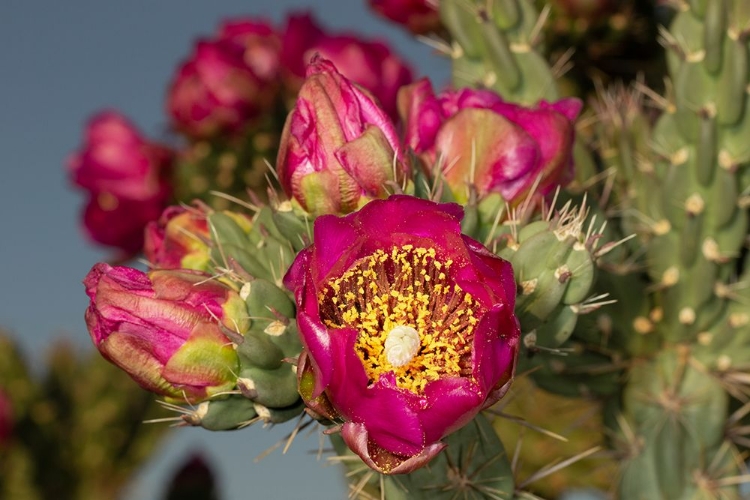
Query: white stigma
x=401 y=345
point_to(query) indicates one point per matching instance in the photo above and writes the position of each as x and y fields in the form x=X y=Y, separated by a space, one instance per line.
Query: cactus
x=631 y=282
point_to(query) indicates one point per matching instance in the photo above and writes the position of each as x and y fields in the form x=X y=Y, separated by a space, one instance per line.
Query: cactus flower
x=418 y=16
x=495 y=146
x=178 y=240
x=227 y=82
x=165 y=329
x=338 y=148
x=126 y=178
x=407 y=325
x=370 y=64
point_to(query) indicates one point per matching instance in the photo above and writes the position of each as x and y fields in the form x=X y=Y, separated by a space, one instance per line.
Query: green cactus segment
x=494 y=47
x=253 y=257
x=674 y=430
x=554 y=264
x=261 y=251
x=698 y=169
x=473 y=465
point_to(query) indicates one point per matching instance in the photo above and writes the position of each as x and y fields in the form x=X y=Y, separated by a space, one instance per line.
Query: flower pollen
x=411 y=318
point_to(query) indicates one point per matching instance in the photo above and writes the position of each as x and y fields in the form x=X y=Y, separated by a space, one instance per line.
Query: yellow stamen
x=411 y=319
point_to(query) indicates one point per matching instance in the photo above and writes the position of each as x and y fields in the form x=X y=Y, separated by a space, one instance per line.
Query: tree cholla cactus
x=373 y=291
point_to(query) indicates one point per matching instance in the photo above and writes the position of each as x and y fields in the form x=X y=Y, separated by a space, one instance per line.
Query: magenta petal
x=356 y=437
x=495 y=348
x=452 y=403
x=317 y=342
x=385 y=412
x=570 y=107
x=333 y=237
x=503 y=283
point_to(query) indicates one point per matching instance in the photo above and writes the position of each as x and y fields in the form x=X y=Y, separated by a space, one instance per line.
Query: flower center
x=401 y=345
x=412 y=319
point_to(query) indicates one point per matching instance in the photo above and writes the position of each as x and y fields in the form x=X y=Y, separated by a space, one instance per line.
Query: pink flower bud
x=178 y=240
x=126 y=178
x=181 y=238
x=371 y=64
x=407 y=325
x=165 y=329
x=227 y=82
x=418 y=16
x=338 y=149
x=492 y=145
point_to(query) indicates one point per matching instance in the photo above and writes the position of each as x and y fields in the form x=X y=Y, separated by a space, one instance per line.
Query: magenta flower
x=126 y=177
x=496 y=146
x=164 y=329
x=418 y=16
x=119 y=223
x=407 y=325
x=338 y=149
x=227 y=82
x=371 y=64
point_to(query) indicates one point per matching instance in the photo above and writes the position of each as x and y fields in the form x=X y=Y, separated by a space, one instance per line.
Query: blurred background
x=61 y=62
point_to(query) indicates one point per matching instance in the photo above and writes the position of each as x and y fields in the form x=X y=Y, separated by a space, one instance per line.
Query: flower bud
x=182 y=239
x=371 y=64
x=338 y=149
x=227 y=82
x=126 y=178
x=491 y=145
x=418 y=16
x=165 y=329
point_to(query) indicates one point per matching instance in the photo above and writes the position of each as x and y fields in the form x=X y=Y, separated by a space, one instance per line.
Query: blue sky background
x=59 y=63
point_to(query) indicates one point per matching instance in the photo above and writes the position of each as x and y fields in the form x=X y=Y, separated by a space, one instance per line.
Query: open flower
x=164 y=329
x=408 y=328
x=338 y=149
x=495 y=146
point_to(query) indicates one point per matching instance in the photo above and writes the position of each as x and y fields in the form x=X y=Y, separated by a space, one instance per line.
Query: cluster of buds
x=127 y=180
x=232 y=79
x=227 y=101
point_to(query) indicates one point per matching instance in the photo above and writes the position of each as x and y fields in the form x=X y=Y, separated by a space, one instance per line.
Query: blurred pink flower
x=227 y=82
x=126 y=177
x=371 y=64
x=418 y=16
x=6 y=419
